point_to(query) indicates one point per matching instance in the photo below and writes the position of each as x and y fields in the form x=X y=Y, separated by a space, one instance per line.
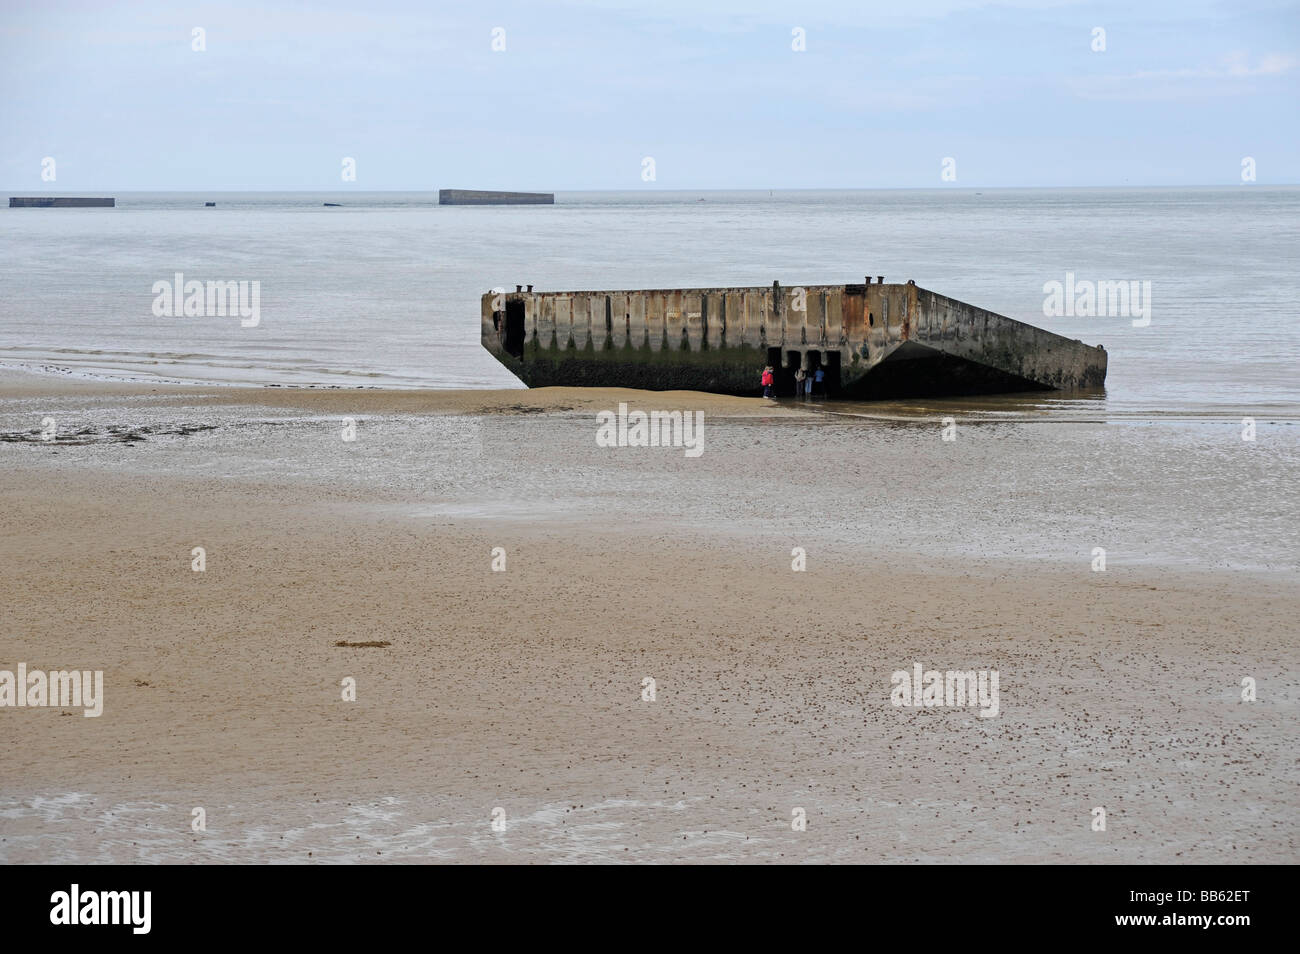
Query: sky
x=580 y=94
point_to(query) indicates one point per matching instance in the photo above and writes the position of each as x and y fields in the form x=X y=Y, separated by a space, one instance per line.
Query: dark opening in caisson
x=514 y=343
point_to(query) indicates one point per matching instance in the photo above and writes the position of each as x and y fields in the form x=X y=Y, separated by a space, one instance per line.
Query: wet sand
x=523 y=689
x=17 y=386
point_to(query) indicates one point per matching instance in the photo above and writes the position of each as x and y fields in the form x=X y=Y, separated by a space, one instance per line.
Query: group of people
x=805 y=384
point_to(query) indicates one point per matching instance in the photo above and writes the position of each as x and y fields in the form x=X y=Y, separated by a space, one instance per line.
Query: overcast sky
x=585 y=91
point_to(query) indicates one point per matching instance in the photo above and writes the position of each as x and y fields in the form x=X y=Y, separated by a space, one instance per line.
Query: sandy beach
x=524 y=688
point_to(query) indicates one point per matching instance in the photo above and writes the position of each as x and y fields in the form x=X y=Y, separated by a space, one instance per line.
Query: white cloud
x=1222 y=79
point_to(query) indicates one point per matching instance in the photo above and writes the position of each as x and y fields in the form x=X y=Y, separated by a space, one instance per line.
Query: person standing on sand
x=767 y=381
x=819 y=380
x=798 y=381
x=807 y=386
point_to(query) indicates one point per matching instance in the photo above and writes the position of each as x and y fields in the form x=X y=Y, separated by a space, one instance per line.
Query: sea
x=382 y=289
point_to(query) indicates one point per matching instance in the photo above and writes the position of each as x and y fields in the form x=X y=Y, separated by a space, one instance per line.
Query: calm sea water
x=384 y=290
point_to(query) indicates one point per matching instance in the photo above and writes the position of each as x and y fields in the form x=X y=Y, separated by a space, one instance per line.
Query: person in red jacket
x=768 y=379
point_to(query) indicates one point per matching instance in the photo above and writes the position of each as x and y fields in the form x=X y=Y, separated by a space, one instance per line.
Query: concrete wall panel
x=636 y=306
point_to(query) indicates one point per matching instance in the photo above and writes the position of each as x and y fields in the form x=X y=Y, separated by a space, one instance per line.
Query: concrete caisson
x=873 y=340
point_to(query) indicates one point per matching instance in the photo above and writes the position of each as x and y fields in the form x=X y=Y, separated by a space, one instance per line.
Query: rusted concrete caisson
x=873 y=340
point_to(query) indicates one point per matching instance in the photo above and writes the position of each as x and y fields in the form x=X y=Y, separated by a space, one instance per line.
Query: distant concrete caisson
x=60 y=202
x=480 y=197
x=873 y=340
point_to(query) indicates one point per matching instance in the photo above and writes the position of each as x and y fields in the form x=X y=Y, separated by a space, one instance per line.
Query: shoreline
x=23 y=385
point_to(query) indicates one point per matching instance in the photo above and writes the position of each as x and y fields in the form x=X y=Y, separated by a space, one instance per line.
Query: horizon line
x=943 y=188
